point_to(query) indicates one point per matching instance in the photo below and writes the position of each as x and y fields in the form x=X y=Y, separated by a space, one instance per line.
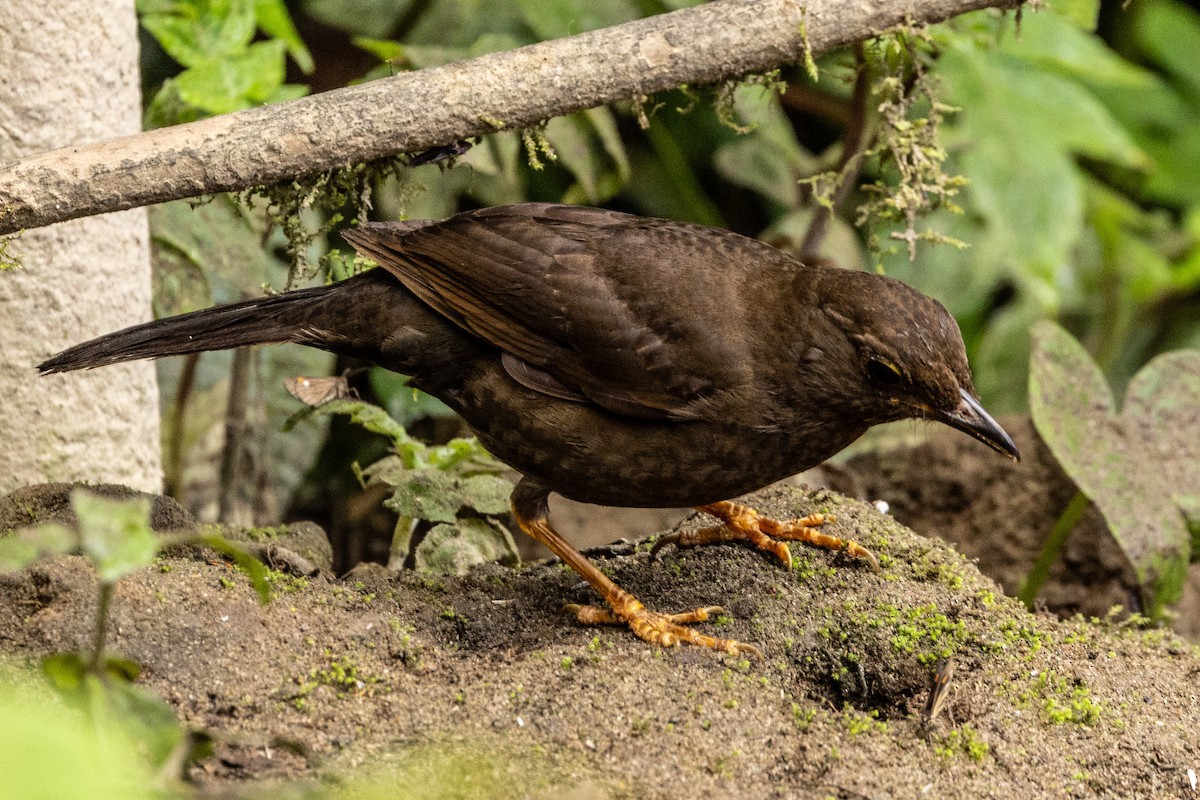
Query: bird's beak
x=970 y=418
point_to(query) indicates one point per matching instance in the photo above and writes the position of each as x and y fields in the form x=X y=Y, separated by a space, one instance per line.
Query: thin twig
x=173 y=477
x=854 y=144
x=235 y=433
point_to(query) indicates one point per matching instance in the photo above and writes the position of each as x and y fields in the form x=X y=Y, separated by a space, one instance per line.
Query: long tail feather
x=279 y=318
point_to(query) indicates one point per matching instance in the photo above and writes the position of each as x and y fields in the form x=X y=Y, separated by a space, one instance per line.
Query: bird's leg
x=742 y=523
x=531 y=510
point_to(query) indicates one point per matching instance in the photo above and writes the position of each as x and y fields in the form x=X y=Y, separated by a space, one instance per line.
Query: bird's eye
x=884 y=374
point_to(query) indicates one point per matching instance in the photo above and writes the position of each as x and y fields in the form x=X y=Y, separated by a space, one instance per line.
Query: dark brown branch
x=173 y=474
x=235 y=435
x=813 y=102
x=434 y=107
x=854 y=144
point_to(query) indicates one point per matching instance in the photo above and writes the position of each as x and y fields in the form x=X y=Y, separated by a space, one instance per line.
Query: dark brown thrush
x=619 y=360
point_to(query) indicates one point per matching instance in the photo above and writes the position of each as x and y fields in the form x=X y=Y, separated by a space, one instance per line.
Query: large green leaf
x=196 y=31
x=232 y=82
x=767 y=159
x=273 y=19
x=1056 y=42
x=1138 y=466
x=52 y=750
x=439 y=496
x=19 y=549
x=1020 y=129
x=1170 y=32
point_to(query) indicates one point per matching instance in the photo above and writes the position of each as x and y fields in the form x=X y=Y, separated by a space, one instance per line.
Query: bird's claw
x=666 y=630
x=744 y=524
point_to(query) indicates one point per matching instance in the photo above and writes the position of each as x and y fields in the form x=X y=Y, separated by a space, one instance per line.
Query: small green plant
x=457 y=489
x=340 y=673
x=115 y=536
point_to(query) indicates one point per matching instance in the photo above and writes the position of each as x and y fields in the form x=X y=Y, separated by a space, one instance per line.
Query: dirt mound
x=482 y=676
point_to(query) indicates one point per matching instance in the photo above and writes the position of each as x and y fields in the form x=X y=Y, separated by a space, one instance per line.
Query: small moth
x=318 y=391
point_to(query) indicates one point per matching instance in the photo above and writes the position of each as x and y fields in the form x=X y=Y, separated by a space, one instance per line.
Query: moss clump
x=285 y=583
x=1061 y=701
x=962 y=741
x=339 y=673
x=858 y=722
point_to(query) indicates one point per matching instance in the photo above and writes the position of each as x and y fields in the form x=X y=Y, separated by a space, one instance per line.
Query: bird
x=619 y=360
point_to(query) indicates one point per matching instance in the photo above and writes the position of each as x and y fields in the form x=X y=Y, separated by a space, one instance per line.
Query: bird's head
x=910 y=359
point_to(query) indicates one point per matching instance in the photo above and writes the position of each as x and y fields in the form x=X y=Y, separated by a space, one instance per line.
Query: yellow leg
x=529 y=505
x=742 y=523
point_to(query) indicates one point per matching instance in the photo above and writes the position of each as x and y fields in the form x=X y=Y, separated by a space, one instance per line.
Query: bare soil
x=477 y=686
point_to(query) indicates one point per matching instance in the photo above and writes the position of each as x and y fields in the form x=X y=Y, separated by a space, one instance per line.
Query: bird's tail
x=289 y=317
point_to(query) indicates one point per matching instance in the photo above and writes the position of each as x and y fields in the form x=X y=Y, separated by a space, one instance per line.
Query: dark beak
x=970 y=418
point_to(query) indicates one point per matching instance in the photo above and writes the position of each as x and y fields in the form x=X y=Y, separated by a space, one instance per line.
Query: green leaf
x=369 y=415
x=234 y=82
x=454 y=548
x=197 y=31
x=579 y=152
x=1170 y=33
x=768 y=160
x=1020 y=130
x=427 y=494
x=274 y=20
x=1131 y=465
x=1127 y=233
x=464 y=457
x=1055 y=42
x=554 y=19
x=365 y=17
x=21 y=548
x=439 y=496
x=1162 y=410
x=51 y=751
x=110 y=698
x=487 y=494
x=1082 y=14
x=255 y=570
x=146 y=718
x=115 y=534
x=65 y=671
x=383 y=49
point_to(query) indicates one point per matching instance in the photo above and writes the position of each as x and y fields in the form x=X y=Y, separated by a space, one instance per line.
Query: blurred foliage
x=223 y=68
x=51 y=748
x=1141 y=467
x=1068 y=154
x=1074 y=148
x=220 y=252
x=132 y=727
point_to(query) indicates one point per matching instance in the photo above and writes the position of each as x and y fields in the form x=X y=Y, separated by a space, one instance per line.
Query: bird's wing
x=639 y=316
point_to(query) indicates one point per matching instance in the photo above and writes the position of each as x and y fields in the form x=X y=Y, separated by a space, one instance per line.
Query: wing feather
x=581 y=302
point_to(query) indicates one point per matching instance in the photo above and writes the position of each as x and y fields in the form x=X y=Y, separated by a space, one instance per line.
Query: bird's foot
x=742 y=523
x=666 y=630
